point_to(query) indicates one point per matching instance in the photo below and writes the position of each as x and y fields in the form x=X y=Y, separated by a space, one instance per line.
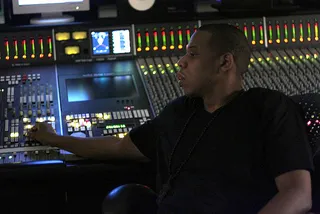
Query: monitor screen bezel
x=50 y=8
x=110 y=30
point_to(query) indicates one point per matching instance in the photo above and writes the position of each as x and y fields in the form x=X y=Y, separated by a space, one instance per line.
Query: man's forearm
x=96 y=148
x=288 y=202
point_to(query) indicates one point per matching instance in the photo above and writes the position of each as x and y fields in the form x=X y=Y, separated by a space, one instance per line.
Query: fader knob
x=30 y=113
x=21 y=113
x=48 y=112
x=13 y=112
x=39 y=112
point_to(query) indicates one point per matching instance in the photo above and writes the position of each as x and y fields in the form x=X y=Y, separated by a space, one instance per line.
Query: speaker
x=147 y=10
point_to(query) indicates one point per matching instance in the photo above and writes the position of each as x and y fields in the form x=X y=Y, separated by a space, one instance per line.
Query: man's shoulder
x=268 y=96
x=269 y=99
x=265 y=92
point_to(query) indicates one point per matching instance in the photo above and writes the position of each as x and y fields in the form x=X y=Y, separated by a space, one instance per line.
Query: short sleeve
x=145 y=138
x=286 y=146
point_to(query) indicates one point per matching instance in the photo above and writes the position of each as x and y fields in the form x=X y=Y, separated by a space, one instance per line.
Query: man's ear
x=226 y=62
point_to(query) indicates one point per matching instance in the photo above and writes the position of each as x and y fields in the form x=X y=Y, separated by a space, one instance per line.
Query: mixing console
x=292 y=71
x=253 y=29
x=33 y=47
x=159 y=75
x=98 y=81
x=293 y=31
x=102 y=99
x=25 y=98
x=157 y=40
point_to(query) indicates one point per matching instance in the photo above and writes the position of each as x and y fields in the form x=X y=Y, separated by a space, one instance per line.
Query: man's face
x=199 y=67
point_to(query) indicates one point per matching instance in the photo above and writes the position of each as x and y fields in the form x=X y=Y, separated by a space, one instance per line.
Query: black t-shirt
x=256 y=137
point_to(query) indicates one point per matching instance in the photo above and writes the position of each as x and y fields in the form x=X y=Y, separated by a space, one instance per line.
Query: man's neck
x=219 y=98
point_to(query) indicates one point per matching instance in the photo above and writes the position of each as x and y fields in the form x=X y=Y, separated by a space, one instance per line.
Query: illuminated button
x=62 y=36
x=146 y=112
x=171 y=47
x=139 y=49
x=164 y=48
x=147 y=49
x=180 y=46
x=122 y=115
x=270 y=41
x=278 y=41
x=155 y=48
x=72 y=50
x=261 y=42
x=107 y=116
x=79 y=35
x=286 y=40
x=254 y=42
x=293 y=40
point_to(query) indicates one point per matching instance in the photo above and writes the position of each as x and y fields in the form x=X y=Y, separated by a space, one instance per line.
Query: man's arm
x=288 y=155
x=294 y=196
x=100 y=148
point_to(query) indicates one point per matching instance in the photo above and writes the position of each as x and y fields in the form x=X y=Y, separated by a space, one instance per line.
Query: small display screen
x=35 y=2
x=85 y=89
x=121 y=41
x=100 y=43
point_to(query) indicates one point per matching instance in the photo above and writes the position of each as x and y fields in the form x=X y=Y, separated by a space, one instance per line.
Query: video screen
x=100 y=43
x=36 y=2
x=121 y=41
x=85 y=89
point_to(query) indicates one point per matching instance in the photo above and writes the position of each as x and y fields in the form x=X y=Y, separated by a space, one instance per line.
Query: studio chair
x=130 y=199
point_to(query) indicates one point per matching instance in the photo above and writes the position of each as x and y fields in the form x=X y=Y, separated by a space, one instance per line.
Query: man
x=219 y=149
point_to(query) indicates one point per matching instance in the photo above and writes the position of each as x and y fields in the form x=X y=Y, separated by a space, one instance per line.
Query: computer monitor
x=51 y=10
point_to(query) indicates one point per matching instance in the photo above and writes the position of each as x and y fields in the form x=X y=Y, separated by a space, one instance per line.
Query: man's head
x=217 y=54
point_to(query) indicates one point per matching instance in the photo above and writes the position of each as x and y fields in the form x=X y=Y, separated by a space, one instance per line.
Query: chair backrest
x=310 y=104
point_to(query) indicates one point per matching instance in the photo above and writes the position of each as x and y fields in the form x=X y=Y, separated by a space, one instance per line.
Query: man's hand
x=42 y=132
